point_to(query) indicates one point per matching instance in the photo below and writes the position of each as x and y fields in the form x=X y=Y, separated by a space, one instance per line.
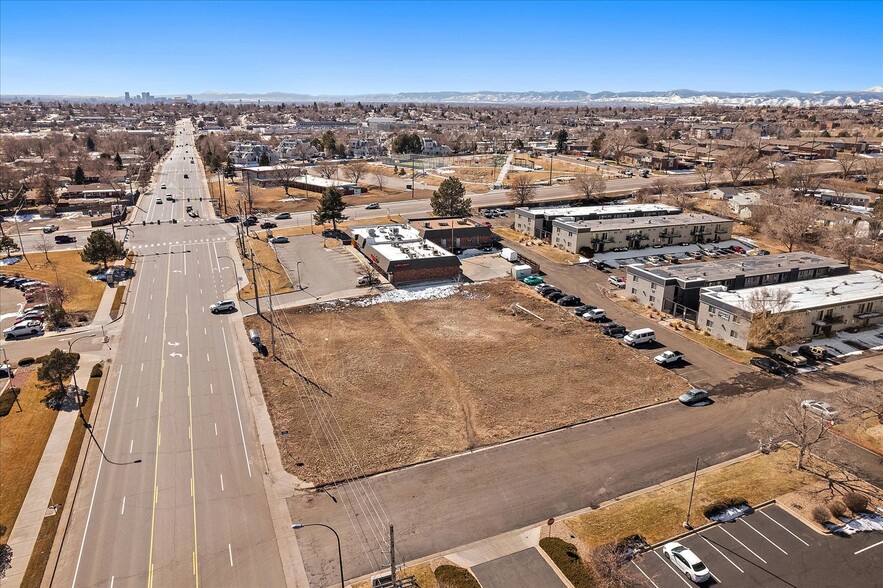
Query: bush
x=821 y=515
x=566 y=557
x=856 y=502
x=7 y=400
x=97 y=371
x=25 y=361
x=587 y=252
x=449 y=576
x=837 y=509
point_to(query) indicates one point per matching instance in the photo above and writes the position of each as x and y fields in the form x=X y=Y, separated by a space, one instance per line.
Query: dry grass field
x=64 y=267
x=417 y=380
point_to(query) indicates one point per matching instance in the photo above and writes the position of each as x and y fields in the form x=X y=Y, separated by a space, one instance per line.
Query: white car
x=616 y=281
x=23 y=330
x=278 y=240
x=373 y=206
x=596 y=314
x=823 y=409
x=163 y=187
x=222 y=306
x=50 y=229
x=668 y=357
x=159 y=200
x=686 y=562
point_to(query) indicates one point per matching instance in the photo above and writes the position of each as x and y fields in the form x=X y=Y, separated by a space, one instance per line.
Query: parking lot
x=771 y=548
x=317 y=271
x=653 y=256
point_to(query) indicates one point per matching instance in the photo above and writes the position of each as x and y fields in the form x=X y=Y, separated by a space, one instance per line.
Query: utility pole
x=272 y=324
x=551 y=161
x=392 y=557
x=254 y=279
x=692 y=488
x=413 y=176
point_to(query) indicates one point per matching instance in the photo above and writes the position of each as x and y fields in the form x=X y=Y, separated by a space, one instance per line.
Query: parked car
x=533 y=280
x=222 y=306
x=616 y=281
x=543 y=288
x=50 y=229
x=770 y=366
x=686 y=562
x=555 y=296
x=23 y=329
x=583 y=309
x=373 y=206
x=814 y=352
x=790 y=355
x=614 y=330
x=283 y=216
x=268 y=225
x=595 y=315
x=231 y=219
x=738 y=249
x=823 y=409
x=640 y=337
x=569 y=301
x=668 y=357
x=278 y=240
x=60 y=239
x=158 y=201
x=693 y=396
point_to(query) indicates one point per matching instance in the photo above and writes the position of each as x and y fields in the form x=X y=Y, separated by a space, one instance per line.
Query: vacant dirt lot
x=417 y=380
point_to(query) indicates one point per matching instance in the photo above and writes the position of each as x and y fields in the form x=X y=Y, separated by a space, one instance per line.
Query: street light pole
x=297 y=267
x=692 y=488
x=297 y=526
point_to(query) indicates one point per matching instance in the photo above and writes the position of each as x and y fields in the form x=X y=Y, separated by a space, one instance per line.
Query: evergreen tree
x=57 y=367
x=79 y=176
x=8 y=244
x=47 y=190
x=561 y=140
x=90 y=144
x=101 y=247
x=118 y=161
x=264 y=160
x=331 y=207
x=450 y=199
x=518 y=144
x=229 y=169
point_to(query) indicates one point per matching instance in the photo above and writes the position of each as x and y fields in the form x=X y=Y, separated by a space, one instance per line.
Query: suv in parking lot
x=791 y=356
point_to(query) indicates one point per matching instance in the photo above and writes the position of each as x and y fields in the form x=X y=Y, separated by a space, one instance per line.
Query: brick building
x=401 y=254
x=453 y=232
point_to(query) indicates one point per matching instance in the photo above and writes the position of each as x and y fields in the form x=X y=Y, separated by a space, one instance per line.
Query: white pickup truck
x=668 y=357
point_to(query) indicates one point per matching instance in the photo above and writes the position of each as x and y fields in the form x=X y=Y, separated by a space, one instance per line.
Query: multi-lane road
x=194 y=510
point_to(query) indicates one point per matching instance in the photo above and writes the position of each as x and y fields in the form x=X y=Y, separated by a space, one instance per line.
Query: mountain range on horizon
x=680 y=97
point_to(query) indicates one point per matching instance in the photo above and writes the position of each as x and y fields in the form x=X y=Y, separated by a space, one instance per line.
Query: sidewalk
x=36 y=504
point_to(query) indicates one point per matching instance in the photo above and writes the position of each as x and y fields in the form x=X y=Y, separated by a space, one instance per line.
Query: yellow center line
x=162 y=366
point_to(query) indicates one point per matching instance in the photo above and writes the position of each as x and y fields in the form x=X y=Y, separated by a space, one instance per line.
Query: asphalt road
x=194 y=510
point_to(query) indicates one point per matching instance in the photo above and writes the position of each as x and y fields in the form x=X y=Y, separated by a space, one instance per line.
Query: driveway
x=523 y=569
x=321 y=271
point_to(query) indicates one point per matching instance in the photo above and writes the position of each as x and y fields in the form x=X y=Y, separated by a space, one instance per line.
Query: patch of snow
x=471 y=253
x=410 y=294
x=864 y=523
x=290 y=199
x=10 y=260
x=732 y=513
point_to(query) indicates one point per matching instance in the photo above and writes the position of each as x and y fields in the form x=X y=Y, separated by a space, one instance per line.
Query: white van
x=640 y=337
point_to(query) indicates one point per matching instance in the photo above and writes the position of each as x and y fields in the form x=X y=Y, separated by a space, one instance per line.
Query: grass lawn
x=551 y=253
x=268 y=270
x=448 y=576
x=722 y=347
x=659 y=514
x=40 y=556
x=566 y=557
x=23 y=436
x=84 y=293
x=866 y=429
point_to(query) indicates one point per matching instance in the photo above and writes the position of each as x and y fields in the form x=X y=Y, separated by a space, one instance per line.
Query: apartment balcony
x=829 y=321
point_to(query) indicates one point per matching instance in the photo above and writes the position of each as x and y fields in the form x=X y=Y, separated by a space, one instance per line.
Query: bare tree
x=286 y=173
x=842 y=240
x=354 y=171
x=303 y=150
x=369 y=276
x=771 y=322
x=589 y=186
x=866 y=399
x=678 y=194
x=795 y=423
x=611 y=564
x=644 y=196
x=379 y=179
x=802 y=177
x=326 y=169
x=704 y=172
x=660 y=184
x=521 y=191
x=737 y=163
x=772 y=163
x=792 y=220
x=45 y=247
x=848 y=161
x=873 y=169
x=617 y=143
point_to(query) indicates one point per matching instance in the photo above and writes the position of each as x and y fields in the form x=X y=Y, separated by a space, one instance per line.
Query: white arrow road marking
x=175 y=355
x=174 y=343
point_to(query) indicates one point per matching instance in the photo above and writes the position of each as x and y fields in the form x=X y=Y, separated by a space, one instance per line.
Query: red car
x=738 y=249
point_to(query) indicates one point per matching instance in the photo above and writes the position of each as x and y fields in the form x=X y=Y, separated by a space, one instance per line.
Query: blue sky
x=106 y=48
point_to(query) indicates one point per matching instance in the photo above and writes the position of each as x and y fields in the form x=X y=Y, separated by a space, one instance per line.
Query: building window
x=634 y=290
x=653 y=299
x=653 y=287
x=711 y=310
x=733 y=334
x=709 y=323
x=725 y=316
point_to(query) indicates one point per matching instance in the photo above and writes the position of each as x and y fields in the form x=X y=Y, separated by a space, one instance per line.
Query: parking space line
x=764 y=536
x=742 y=544
x=868 y=547
x=784 y=527
x=643 y=573
x=713 y=546
x=677 y=573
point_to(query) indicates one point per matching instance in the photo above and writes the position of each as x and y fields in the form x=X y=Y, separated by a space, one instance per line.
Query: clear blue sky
x=106 y=48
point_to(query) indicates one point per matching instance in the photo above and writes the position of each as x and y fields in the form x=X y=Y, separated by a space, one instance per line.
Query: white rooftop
x=623 y=209
x=399 y=242
x=809 y=294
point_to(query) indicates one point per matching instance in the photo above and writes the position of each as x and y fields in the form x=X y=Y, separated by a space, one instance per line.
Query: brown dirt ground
x=418 y=380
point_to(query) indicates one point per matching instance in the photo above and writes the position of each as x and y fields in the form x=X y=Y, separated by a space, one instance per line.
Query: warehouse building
x=820 y=307
x=537 y=222
x=401 y=254
x=454 y=232
x=675 y=289
x=637 y=233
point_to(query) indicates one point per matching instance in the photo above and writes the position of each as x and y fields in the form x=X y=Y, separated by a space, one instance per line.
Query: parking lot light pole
x=297 y=526
x=235 y=273
x=70 y=347
x=692 y=488
x=297 y=267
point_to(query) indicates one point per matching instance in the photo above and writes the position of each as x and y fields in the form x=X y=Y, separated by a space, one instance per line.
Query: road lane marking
x=211 y=388
x=764 y=536
x=123 y=509
x=148 y=316
x=868 y=547
x=142 y=366
x=145 y=338
x=742 y=544
x=137 y=401
x=713 y=546
x=222 y=482
x=131 y=445
x=236 y=401
x=111 y=582
x=645 y=575
x=207 y=358
x=97 y=478
x=677 y=573
x=784 y=527
x=230 y=551
x=216 y=429
x=162 y=367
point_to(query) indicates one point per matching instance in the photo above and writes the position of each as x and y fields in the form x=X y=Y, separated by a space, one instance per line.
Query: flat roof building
x=453 y=232
x=819 y=307
x=538 y=221
x=403 y=255
x=637 y=233
x=675 y=289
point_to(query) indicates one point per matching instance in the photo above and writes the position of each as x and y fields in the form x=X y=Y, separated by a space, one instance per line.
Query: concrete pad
x=495 y=548
x=523 y=569
x=485 y=267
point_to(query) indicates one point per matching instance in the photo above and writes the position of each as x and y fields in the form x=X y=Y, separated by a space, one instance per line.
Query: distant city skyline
x=345 y=48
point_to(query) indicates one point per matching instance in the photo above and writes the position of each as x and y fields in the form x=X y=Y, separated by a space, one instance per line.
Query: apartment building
x=537 y=222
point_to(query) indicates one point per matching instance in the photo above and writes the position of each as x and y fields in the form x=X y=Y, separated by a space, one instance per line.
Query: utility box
x=519 y=272
x=255 y=337
x=509 y=254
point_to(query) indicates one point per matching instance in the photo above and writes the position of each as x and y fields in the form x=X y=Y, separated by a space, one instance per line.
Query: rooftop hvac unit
x=427 y=225
x=372 y=233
